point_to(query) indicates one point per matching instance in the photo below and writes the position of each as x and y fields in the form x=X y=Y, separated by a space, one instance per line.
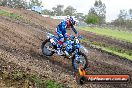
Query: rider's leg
x=61 y=40
x=59 y=45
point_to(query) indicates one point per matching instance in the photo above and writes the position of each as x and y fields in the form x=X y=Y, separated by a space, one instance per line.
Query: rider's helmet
x=72 y=21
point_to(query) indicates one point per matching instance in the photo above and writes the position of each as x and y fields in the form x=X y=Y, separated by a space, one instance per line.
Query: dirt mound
x=33 y=17
x=20 y=42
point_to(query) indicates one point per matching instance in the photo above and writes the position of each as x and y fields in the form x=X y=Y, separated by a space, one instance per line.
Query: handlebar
x=79 y=37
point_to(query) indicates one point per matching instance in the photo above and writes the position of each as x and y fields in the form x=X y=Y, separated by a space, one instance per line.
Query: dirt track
x=20 y=43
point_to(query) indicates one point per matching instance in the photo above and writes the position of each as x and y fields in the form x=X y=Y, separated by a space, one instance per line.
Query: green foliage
x=121 y=18
x=130 y=14
x=14 y=16
x=113 y=51
x=124 y=19
x=109 y=48
x=91 y=19
x=113 y=48
x=58 y=10
x=39 y=83
x=51 y=84
x=11 y=15
x=16 y=78
x=48 y=12
x=79 y=16
x=17 y=75
x=97 y=14
x=35 y=3
x=69 y=11
x=3 y=3
x=100 y=9
x=14 y=3
x=123 y=14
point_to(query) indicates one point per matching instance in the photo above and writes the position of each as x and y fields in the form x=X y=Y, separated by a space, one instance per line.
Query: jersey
x=61 y=28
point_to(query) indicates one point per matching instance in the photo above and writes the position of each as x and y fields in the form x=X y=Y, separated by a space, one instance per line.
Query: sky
x=113 y=7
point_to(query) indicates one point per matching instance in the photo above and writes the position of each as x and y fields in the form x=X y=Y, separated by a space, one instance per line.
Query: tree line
x=60 y=11
x=56 y=11
x=20 y=3
x=124 y=19
x=96 y=14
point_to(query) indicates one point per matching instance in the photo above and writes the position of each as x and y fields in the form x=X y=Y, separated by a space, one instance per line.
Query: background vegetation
x=96 y=14
x=115 y=34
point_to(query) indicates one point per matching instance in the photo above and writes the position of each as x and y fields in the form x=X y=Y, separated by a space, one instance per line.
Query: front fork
x=76 y=55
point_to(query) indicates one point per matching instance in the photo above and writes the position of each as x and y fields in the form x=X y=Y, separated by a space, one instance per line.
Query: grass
x=14 y=16
x=115 y=34
x=16 y=77
x=21 y=79
x=44 y=83
x=111 y=49
x=107 y=49
x=11 y=75
x=11 y=15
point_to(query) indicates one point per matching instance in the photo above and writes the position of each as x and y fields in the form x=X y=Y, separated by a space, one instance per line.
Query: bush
x=92 y=19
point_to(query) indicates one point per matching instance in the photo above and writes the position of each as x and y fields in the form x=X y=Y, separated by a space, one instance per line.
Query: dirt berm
x=20 y=41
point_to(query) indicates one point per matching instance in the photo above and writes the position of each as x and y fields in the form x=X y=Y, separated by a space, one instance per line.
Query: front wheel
x=82 y=61
x=47 y=48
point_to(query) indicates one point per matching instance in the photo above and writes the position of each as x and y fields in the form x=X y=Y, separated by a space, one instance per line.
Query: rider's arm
x=63 y=26
x=75 y=31
x=58 y=30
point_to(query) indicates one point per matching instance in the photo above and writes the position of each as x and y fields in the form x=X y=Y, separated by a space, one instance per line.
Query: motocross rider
x=61 y=32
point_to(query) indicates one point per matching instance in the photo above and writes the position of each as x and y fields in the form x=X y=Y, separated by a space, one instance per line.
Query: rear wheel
x=82 y=61
x=47 y=48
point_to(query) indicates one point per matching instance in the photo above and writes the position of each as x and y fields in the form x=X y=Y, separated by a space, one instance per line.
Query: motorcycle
x=70 y=49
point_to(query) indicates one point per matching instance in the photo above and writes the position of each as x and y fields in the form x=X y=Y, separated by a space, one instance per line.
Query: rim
x=81 y=62
x=47 y=48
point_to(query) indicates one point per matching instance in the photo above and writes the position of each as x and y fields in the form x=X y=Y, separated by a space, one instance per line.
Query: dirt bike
x=70 y=49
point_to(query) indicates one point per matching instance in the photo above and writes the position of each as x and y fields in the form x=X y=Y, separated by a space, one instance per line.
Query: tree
x=97 y=14
x=79 y=16
x=92 y=10
x=35 y=3
x=58 y=11
x=3 y=2
x=14 y=3
x=48 y=12
x=18 y=4
x=130 y=14
x=100 y=10
x=69 y=11
x=92 y=18
x=122 y=17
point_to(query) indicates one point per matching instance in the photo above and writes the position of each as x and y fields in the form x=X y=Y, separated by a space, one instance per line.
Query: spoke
x=48 y=48
x=81 y=61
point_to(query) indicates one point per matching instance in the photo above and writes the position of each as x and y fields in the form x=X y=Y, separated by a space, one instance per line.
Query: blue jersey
x=61 y=28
